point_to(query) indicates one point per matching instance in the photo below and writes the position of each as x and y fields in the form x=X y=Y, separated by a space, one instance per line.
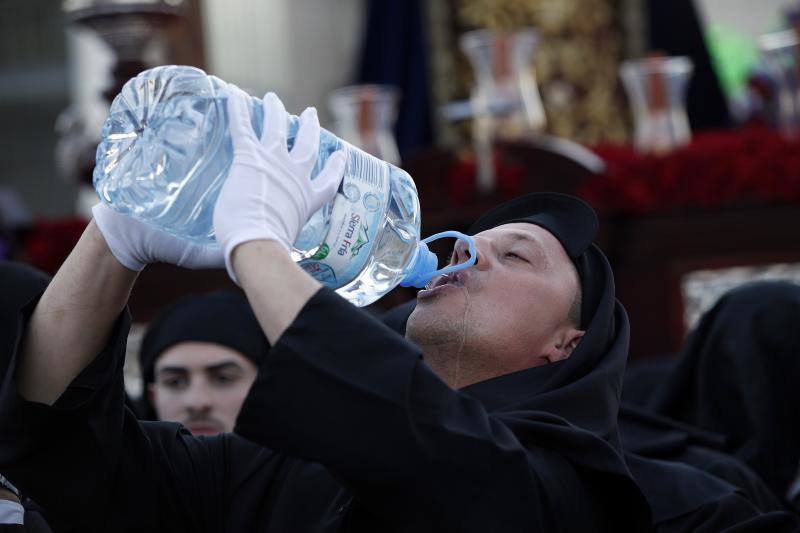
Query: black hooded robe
x=402 y=451
x=354 y=432
x=738 y=376
x=361 y=436
x=18 y=284
x=689 y=485
x=655 y=437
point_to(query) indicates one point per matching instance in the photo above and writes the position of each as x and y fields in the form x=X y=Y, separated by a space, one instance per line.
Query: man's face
x=506 y=313
x=201 y=385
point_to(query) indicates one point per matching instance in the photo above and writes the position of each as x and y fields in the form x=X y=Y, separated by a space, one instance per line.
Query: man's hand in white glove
x=136 y=244
x=269 y=193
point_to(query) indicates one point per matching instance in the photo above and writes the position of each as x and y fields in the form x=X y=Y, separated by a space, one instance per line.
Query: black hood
x=569 y=406
x=222 y=317
x=570 y=220
x=586 y=387
x=738 y=375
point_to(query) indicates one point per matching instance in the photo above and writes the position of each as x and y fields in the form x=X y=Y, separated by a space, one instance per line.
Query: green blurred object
x=734 y=57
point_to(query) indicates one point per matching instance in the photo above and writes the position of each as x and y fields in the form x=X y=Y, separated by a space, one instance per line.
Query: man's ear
x=565 y=344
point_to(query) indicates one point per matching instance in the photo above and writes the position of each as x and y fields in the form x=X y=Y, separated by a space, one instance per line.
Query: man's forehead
x=198 y=354
x=571 y=220
x=537 y=235
x=524 y=230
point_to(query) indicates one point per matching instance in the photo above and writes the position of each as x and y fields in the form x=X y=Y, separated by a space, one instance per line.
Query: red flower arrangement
x=727 y=168
x=50 y=241
x=462 y=177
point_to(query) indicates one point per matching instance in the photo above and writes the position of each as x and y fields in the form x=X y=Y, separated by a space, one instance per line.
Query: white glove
x=136 y=244
x=269 y=193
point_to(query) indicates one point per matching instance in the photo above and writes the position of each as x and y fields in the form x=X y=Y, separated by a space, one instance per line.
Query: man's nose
x=462 y=253
x=198 y=397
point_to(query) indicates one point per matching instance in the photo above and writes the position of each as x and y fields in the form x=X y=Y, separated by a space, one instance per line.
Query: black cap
x=219 y=317
x=571 y=220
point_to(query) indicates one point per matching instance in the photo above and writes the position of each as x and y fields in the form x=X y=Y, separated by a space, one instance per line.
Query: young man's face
x=506 y=313
x=201 y=385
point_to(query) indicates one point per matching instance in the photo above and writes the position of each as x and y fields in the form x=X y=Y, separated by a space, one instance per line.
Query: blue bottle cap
x=423 y=268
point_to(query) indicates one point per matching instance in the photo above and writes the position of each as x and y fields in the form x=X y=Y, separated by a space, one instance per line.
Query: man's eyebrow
x=172 y=370
x=224 y=365
x=521 y=235
x=217 y=367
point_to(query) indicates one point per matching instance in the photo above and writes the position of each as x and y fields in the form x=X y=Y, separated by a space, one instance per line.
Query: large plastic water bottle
x=164 y=154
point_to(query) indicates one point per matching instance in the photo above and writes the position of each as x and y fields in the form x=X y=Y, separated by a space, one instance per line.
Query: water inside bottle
x=395 y=249
x=153 y=153
x=166 y=152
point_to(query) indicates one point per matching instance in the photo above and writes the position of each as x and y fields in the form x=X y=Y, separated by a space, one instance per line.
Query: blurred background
x=678 y=121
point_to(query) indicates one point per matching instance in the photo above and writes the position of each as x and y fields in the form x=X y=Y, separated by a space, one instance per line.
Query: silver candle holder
x=656 y=90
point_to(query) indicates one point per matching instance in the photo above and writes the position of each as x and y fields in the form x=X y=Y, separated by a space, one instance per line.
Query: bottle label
x=355 y=221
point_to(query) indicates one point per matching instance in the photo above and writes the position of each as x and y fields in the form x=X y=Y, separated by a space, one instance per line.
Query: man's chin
x=436 y=321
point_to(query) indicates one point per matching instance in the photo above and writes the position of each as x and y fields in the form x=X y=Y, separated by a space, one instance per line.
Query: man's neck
x=455 y=365
x=461 y=366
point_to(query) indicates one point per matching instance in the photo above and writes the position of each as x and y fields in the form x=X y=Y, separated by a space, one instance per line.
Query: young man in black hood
x=199 y=357
x=347 y=427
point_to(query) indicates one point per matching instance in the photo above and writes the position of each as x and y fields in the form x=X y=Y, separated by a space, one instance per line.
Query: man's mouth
x=204 y=429
x=204 y=426
x=456 y=279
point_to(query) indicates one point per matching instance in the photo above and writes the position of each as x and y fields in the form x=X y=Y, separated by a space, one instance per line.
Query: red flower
x=462 y=177
x=753 y=164
x=50 y=242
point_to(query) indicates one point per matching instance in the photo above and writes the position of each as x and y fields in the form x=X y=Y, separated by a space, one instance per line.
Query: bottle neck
x=424 y=265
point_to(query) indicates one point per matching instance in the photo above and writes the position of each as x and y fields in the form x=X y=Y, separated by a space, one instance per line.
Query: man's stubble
x=443 y=336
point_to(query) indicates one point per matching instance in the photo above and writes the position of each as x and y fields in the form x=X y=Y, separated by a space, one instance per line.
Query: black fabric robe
x=362 y=439
x=738 y=376
x=689 y=483
x=18 y=284
x=355 y=433
x=651 y=436
x=533 y=450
